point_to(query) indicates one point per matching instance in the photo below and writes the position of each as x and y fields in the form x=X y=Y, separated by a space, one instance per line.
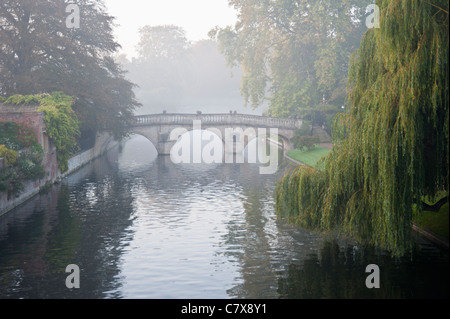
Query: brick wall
x=30 y=117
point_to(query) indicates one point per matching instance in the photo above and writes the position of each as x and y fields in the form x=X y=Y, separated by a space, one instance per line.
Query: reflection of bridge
x=157 y=127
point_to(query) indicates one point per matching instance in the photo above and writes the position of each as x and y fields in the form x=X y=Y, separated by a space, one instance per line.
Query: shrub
x=10 y=156
x=20 y=166
x=306 y=142
x=16 y=137
x=29 y=163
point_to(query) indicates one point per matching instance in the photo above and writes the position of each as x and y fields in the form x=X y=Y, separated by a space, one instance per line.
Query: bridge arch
x=148 y=134
x=158 y=127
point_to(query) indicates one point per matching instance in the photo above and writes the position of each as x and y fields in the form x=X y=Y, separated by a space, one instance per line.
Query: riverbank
x=127 y=218
x=431 y=236
x=103 y=143
x=430 y=230
x=309 y=158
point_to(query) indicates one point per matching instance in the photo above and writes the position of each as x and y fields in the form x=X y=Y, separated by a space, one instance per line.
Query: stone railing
x=217 y=119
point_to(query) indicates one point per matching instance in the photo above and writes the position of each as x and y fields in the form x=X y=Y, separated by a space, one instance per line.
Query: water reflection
x=75 y=222
x=338 y=272
x=140 y=226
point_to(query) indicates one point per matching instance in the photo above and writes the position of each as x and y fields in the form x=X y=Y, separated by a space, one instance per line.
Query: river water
x=140 y=226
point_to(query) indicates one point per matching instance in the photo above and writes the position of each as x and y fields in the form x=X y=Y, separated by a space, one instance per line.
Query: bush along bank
x=22 y=154
x=22 y=158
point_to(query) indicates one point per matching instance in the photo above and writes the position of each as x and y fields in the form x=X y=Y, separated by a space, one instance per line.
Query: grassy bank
x=437 y=222
x=309 y=158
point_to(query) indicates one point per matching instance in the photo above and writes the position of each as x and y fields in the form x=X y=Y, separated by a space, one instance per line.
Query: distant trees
x=303 y=140
x=294 y=54
x=162 y=42
x=169 y=69
x=161 y=66
x=40 y=54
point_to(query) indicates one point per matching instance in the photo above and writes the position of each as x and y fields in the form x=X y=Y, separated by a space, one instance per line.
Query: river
x=139 y=226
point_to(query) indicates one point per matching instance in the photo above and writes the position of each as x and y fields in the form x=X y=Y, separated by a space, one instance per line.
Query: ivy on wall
x=60 y=120
x=62 y=126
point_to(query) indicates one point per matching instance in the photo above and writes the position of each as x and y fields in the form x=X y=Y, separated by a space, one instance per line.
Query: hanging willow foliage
x=392 y=148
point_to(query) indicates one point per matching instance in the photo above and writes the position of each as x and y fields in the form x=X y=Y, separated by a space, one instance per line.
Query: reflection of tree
x=340 y=273
x=256 y=257
x=26 y=231
x=249 y=232
x=78 y=224
x=63 y=239
x=326 y=277
x=104 y=208
x=86 y=221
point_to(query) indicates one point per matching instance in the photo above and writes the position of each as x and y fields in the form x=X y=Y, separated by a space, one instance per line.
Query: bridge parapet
x=218 y=119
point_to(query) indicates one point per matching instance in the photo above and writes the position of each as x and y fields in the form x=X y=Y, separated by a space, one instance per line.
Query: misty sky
x=197 y=17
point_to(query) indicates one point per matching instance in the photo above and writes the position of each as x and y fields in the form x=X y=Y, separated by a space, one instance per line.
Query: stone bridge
x=159 y=127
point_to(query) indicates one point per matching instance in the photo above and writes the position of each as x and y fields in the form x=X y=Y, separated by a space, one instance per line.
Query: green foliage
x=10 y=181
x=293 y=53
x=306 y=142
x=29 y=163
x=303 y=140
x=23 y=162
x=305 y=130
x=393 y=145
x=322 y=115
x=61 y=123
x=16 y=137
x=40 y=54
x=62 y=126
x=28 y=167
x=19 y=99
x=10 y=156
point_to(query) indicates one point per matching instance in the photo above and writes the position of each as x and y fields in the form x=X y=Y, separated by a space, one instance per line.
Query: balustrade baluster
x=222 y=119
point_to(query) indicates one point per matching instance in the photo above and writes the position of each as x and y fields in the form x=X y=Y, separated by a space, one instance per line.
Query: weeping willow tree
x=392 y=147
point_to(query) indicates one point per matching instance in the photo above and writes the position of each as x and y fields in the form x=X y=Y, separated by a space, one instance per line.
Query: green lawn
x=309 y=158
x=436 y=222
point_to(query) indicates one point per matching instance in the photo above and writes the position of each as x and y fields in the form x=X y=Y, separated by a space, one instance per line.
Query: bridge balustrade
x=217 y=119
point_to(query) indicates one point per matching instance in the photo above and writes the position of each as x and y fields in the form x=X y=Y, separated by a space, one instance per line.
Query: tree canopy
x=172 y=72
x=163 y=41
x=392 y=148
x=293 y=53
x=40 y=54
